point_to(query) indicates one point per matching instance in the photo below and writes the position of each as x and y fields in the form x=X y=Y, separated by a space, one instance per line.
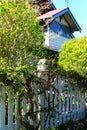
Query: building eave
x=71 y=20
x=66 y=13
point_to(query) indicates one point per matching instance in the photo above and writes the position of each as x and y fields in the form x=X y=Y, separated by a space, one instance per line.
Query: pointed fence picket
x=68 y=104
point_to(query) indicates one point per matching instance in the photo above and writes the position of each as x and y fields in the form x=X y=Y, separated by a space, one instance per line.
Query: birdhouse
x=59 y=26
x=42 y=65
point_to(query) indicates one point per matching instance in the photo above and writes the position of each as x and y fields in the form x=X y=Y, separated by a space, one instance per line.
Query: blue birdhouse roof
x=66 y=13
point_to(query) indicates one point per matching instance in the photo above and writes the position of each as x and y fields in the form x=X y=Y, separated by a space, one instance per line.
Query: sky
x=79 y=11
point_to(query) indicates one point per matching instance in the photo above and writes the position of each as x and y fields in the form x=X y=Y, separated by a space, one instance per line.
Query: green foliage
x=21 y=38
x=71 y=125
x=53 y=128
x=73 y=56
x=20 y=33
x=21 y=47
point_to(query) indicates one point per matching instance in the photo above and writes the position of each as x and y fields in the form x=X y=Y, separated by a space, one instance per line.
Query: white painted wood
x=51 y=94
x=60 y=102
x=43 y=114
x=24 y=102
x=56 y=41
x=37 y=107
x=78 y=103
x=10 y=109
x=46 y=43
x=16 y=114
x=71 y=101
x=67 y=102
x=46 y=113
x=81 y=102
x=2 y=109
x=68 y=116
x=63 y=21
x=56 y=103
x=73 y=106
x=64 y=111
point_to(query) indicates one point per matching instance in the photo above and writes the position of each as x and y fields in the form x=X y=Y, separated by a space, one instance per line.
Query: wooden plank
x=16 y=115
x=24 y=102
x=83 y=94
x=67 y=105
x=42 y=114
x=10 y=110
x=51 y=105
x=46 y=113
x=75 y=104
x=76 y=97
x=56 y=41
x=71 y=101
x=60 y=102
x=2 y=109
x=56 y=103
x=80 y=103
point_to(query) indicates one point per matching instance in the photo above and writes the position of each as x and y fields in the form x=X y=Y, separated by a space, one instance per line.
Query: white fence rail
x=69 y=104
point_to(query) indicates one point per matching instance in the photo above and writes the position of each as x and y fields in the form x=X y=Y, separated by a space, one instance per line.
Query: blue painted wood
x=59 y=28
x=67 y=10
x=54 y=40
x=56 y=43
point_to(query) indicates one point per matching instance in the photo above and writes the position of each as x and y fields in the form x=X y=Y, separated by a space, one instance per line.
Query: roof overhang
x=66 y=14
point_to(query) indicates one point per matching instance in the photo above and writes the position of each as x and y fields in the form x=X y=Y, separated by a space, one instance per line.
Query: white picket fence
x=69 y=104
x=8 y=110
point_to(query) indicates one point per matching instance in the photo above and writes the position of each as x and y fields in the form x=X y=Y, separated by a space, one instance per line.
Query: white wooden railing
x=68 y=104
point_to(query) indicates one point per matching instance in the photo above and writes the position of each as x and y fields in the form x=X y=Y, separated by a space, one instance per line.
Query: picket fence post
x=69 y=102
